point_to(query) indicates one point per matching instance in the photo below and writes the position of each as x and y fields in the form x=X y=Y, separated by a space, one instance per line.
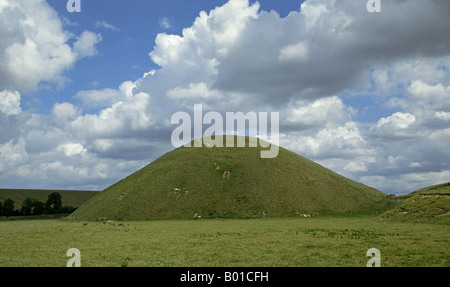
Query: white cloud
x=34 y=47
x=320 y=113
x=106 y=25
x=71 y=149
x=12 y=154
x=164 y=23
x=10 y=103
x=344 y=141
x=437 y=95
x=85 y=44
x=442 y=115
x=313 y=10
x=65 y=111
x=209 y=37
x=196 y=93
x=119 y=119
x=67 y=22
x=396 y=126
x=98 y=98
x=294 y=52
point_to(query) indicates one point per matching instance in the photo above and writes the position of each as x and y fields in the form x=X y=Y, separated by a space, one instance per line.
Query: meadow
x=321 y=241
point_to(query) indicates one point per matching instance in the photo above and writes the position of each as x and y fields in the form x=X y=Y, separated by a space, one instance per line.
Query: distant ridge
x=429 y=204
x=73 y=198
x=233 y=182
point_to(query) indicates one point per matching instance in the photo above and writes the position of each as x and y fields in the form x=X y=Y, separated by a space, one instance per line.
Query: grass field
x=316 y=241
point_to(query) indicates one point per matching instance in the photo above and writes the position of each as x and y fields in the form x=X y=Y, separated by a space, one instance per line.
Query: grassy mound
x=204 y=182
x=430 y=204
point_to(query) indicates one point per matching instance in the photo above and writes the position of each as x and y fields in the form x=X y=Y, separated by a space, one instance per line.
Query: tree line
x=31 y=206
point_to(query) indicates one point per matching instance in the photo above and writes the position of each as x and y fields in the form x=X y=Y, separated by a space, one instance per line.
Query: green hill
x=230 y=182
x=73 y=198
x=429 y=204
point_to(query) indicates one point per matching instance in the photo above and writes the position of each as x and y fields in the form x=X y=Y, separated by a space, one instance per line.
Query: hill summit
x=235 y=182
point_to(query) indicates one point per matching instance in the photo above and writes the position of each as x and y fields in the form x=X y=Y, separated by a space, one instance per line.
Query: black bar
x=242 y=277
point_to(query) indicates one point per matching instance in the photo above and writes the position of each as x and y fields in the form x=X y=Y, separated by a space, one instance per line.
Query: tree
x=38 y=208
x=1 y=208
x=67 y=209
x=31 y=206
x=53 y=203
x=8 y=207
x=27 y=206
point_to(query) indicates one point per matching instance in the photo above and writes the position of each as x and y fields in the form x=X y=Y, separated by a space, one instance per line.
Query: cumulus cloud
x=34 y=46
x=116 y=119
x=345 y=141
x=322 y=112
x=65 y=149
x=71 y=149
x=65 y=111
x=397 y=126
x=438 y=96
x=338 y=42
x=85 y=44
x=322 y=50
x=10 y=103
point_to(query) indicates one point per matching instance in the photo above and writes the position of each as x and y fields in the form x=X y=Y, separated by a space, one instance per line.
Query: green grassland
x=430 y=204
x=316 y=241
x=73 y=198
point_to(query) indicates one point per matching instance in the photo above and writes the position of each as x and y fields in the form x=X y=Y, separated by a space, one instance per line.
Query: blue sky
x=86 y=98
x=123 y=52
x=124 y=48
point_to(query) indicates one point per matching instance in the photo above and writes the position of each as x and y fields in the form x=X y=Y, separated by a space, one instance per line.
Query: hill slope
x=430 y=204
x=230 y=182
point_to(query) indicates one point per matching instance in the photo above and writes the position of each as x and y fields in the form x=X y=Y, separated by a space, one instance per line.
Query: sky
x=86 y=98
